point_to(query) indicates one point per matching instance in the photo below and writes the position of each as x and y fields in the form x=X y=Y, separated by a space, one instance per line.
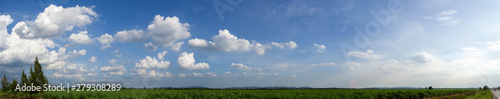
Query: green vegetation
x=481 y=95
x=37 y=78
x=296 y=94
x=5 y=84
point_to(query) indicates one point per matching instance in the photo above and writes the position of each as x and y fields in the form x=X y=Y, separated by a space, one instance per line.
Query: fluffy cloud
x=422 y=58
x=150 y=46
x=60 y=75
x=73 y=71
x=140 y=71
x=197 y=43
x=165 y=31
x=210 y=74
x=4 y=21
x=81 y=38
x=369 y=54
x=226 y=41
x=93 y=59
x=153 y=73
x=114 y=70
x=105 y=40
x=113 y=61
x=289 y=45
x=74 y=53
x=351 y=65
x=56 y=60
x=130 y=35
x=321 y=48
x=186 y=61
x=15 y=51
x=244 y=67
x=149 y=62
x=55 y=20
x=162 y=55
x=177 y=46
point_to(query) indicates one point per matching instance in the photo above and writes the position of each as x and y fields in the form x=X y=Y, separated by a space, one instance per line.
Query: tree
x=13 y=86
x=485 y=87
x=24 y=79
x=430 y=87
x=5 y=84
x=37 y=77
x=480 y=88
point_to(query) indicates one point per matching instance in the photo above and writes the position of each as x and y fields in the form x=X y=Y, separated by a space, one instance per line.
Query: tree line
x=36 y=77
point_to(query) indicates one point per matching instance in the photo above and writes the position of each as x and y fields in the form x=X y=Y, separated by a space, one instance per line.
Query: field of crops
x=297 y=94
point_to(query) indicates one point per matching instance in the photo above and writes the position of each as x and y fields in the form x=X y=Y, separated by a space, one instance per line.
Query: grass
x=481 y=95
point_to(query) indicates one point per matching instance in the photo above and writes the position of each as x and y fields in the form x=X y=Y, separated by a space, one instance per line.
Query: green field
x=296 y=94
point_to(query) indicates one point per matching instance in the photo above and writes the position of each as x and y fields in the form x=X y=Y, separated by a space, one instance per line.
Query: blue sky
x=219 y=43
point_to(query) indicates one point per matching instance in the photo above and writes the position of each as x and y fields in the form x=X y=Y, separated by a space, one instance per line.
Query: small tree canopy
x=486 y=87
x=37 y=77
x=13 y=86
x=5 y=84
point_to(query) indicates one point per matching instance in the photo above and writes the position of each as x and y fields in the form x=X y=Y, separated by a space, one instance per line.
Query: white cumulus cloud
x=186 y=61
x=244 y=67
x=150 y=46
x=423 y=58
x=55 y=20
x=93 y=59
x=81 y=38
x=153 y=73
x=162 y=55
x=289 y=45
x=177 y=46
x=369 y=54
x=113 y=61
x=114 y=70
x=105 y=40
x=165 y=31
x=149 y=62
x=226 y=41
x=130 y=35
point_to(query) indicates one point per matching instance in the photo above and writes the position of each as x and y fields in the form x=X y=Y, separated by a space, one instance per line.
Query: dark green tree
x=13 y=86
x=430 y=87
x=486 y=88
x=5 y=84
x=37 y=77
x=24 y=79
